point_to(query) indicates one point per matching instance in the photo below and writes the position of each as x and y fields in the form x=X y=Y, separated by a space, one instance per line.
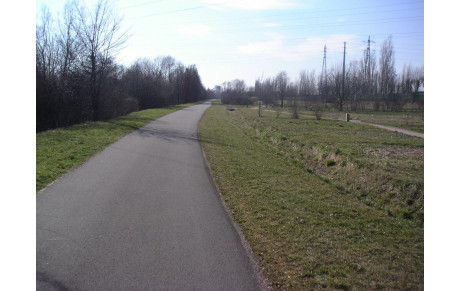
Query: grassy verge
x=407 y=120
x=410 y=120
x=307 y=229
x=60 y=150
x=382 y=168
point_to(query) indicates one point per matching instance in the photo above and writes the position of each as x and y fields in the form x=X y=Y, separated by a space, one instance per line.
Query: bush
x=115 y=103
x=235 y=98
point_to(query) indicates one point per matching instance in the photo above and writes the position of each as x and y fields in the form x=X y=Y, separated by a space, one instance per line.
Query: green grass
x=382 y=168
x=60 y=150
x=304 y=224
x=410 y=120
x=407 y=120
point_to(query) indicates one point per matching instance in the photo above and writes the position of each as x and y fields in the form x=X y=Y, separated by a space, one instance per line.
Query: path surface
x=391 y=128
x=141 y=215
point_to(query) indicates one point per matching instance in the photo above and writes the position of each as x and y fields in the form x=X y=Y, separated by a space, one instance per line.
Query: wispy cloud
x=265 y=48
x=198 y=30
x=275 y=47
x=258 y=4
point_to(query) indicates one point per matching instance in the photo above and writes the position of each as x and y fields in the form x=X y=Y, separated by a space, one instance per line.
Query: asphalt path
x=143 y=214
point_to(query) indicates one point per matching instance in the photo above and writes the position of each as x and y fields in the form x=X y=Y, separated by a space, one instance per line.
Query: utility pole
x=367 y=67
x=368 y=63
x=324 y=75
x=343 y=77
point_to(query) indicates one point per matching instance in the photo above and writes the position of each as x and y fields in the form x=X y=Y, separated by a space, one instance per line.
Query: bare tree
x=70 y=47
x=370 y=75
x=47 y=49
x=77 y=78
x=177 y=80
x=292 y=94
x=411 y=81
x=99 y=32
x=405 y=85
x=48 y=95
x=335 y=81
x=239 y=86
x=311 y=83
x=418 y=80
x=266 y=90
x=355 y=85
x=302 y=86
x=324 y=87
x=307 y=85
x=281 y=85
x=387 y=68
x=167 y=65
x=234 y=92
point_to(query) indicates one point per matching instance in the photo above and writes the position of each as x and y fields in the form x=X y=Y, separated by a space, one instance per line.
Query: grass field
x=324 y=204
x=60 y=150
x=409 y=116
x=409 y=119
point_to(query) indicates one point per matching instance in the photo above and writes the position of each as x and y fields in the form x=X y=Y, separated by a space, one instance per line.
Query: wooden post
x=347 y=117
x=260 y=107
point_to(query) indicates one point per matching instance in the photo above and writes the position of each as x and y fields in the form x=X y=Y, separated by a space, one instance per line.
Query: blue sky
x=248 y=39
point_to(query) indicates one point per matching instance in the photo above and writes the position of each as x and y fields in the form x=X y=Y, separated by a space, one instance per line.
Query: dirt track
x=391 y=128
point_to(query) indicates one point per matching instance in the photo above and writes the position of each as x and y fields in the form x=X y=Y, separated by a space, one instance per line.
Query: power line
x=214 y=44
x=280 y=14
x=311 y=25
x=142 y=4
x=243 y=30
x=186 y=9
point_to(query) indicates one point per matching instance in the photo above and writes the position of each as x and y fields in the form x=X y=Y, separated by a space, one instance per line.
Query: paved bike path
x=143 y=214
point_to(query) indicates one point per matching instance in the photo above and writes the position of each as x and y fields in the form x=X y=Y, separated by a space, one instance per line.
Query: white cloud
x=198 y=30
x=269 y=47
x=310 y=46
x=258 y=4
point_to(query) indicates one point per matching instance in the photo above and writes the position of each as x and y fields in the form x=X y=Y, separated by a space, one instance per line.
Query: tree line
x=78 y=79
x=365 y=81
